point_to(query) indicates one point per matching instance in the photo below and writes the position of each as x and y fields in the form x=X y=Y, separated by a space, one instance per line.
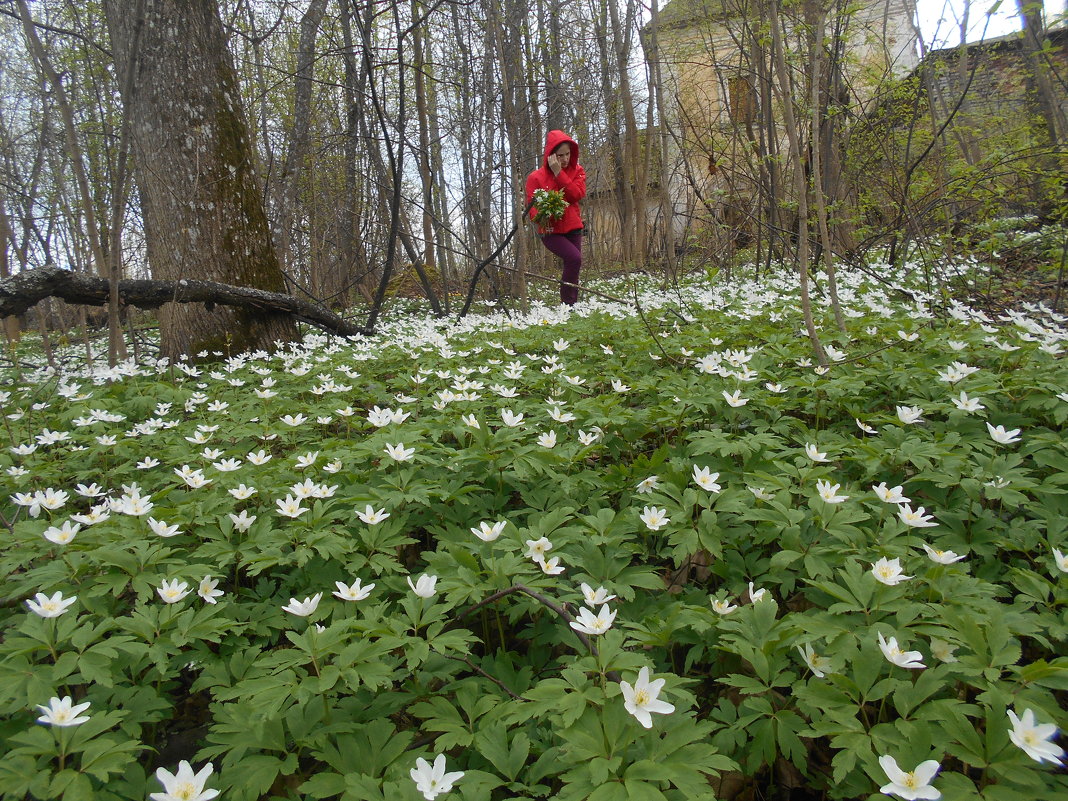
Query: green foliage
x=710 y=415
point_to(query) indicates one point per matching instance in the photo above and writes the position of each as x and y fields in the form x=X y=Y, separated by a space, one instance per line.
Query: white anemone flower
x=1035 y=739
x=488 y=532
x=63 y=712
x=433 y=781
x=185 y=785
x=942 y=557
x=536 y=549
x=723 y=607
x=889 y=572
x=425 y=586
x=208 y=589
x=889 y=495
x=909 y=414
x=595 y=623
x=173 y=591
x=705 y=479
x=894 y=654
x=817 y=663
x=1001 y=436
x=735 y=399
x=915 y=519
x=829 y=492
x=511 y=419
x=399 y=453
x=550 y=567
x=911 y=785
x=654 y=518
x=50 y=606
x=371 y=516
x=305 y=607
x=354 y=591
x=643 y=698
x=594 y=597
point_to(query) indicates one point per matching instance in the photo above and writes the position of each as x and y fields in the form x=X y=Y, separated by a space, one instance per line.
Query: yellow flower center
x=641 y=697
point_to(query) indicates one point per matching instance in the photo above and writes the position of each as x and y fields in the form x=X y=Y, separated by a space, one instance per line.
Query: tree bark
x=11 y=322
x=793 y=134
x=663 y=143
x=40 y=57
x=1034 y=33
x=201 y=202
x=25 y=289
x=816 y=72
x=298 y=136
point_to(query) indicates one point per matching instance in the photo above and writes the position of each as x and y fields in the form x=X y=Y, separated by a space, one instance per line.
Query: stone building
x=723 y=116
x=995 y=156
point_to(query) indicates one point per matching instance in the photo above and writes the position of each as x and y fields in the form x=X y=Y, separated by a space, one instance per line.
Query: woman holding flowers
x=553 y=190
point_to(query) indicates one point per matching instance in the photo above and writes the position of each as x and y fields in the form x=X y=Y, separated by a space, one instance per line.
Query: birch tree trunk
x=201 y=202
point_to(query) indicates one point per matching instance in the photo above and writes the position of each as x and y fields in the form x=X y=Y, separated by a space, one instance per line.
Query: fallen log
x=24 y=290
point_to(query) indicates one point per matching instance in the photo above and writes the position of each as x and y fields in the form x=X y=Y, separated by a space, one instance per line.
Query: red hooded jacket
x=572 y=179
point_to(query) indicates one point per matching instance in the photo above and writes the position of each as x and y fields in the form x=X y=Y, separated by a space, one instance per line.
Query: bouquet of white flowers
x=549 y=205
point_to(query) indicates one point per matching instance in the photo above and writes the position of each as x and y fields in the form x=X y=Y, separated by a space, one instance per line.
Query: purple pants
x=569 y=248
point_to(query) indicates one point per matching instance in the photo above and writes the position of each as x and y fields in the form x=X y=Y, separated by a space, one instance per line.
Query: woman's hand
x=554 y=163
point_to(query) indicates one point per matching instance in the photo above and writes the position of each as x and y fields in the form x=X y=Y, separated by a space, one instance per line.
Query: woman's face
x=563 y=154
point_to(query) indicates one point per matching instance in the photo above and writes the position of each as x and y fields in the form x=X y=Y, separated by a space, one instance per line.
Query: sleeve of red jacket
x=532 y=184
x=574 y=185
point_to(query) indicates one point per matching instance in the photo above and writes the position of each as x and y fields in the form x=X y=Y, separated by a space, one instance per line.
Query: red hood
x=552 y=141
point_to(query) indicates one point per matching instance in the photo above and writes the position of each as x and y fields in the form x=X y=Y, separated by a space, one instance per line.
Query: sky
x=939 y=19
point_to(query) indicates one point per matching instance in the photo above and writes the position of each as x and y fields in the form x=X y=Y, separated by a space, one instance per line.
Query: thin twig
x=649 y=328
x=568 y=283
x=481 y=672
x=537 y=596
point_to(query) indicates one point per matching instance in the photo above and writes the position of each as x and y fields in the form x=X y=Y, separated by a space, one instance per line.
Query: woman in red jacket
x=560 y=170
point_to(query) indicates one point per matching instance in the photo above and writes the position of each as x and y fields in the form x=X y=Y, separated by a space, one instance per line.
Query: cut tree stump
x=27 y=288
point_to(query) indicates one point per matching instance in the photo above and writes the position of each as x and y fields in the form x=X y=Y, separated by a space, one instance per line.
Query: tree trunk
x=816 y=72
x=426 y=176
x=509 y=71
x=298 y=136
x=11 y=321
x=1034 y=33
x=656 y=92
x=96 y=242
x=793 y=134
x=203 y=211
x=29 y=287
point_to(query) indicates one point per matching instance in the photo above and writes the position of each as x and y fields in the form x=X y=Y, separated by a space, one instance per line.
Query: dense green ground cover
x=756 y=520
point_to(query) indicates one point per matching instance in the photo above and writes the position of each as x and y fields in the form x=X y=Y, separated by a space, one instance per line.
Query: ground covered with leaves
x=578 y=555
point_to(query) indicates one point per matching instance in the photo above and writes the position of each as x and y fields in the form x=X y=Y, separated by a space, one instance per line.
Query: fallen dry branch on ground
x=26 y=289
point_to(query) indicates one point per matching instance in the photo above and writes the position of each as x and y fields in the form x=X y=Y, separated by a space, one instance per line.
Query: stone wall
x=715 y=99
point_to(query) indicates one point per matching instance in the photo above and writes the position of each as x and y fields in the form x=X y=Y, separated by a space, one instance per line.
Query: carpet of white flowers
x=579 y=555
